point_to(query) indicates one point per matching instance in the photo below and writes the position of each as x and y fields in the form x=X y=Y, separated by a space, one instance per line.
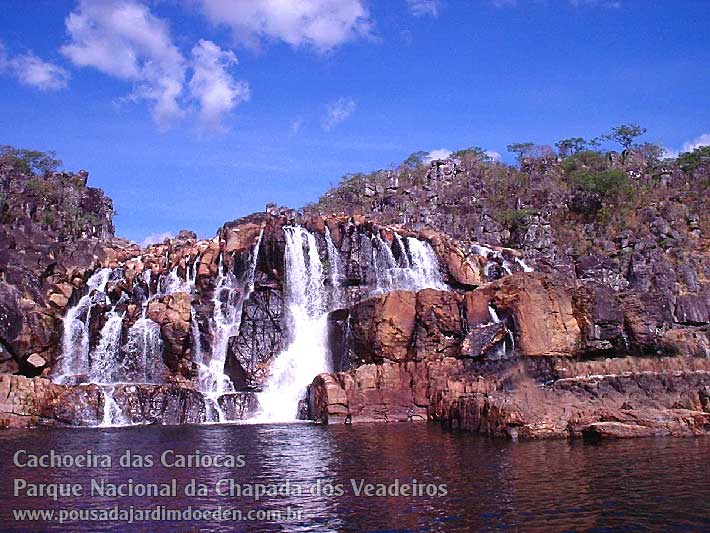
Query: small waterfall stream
x=228 y=299
x=105 y=358
x=417 y=267
x=496 y=258
x=75 y=336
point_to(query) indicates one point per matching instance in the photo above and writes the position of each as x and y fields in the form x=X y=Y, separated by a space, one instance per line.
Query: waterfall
x=306 y=355
x=335 y=272
x=496 y=257
x=493 y=315
x=417 y=268
x=404 y=259
x=228 y=299
x=502 y=350
x=197 y=354
x=113 y=416
x=104 y=359
x=75 y=336
x=172 y=283
x=143 y=351
x=425 y=271
x=308 y=300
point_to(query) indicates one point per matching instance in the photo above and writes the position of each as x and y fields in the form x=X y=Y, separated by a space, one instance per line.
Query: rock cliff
x=436 y=304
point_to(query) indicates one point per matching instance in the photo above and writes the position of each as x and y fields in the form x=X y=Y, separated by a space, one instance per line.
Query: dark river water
x=308 y=477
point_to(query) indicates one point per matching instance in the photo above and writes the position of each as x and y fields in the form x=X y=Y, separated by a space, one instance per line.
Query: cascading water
x=75 y=337
x=335 y=271
x=112 y=416
x=308 y=300
x=105 y=358
x=416 y=269
x=306 y=355
x=228 y=299
x=425 y=271
x=143 y=351
x=496 y=257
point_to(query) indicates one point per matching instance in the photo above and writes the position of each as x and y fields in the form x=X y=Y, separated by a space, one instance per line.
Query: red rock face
x=541 y=308
x=673 y=398
x=382 y=327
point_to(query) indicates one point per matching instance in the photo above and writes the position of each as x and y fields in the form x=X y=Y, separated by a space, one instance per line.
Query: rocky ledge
x=31 y=402
x=524 y=399
x=528 y=356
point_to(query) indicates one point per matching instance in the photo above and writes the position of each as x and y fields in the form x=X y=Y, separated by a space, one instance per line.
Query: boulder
x=382 y=327
x=172 y=313
x=463 y=270
x=538 y=308
x=438 y=331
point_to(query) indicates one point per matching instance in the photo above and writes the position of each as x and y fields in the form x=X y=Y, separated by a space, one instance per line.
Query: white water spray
x=306 y=355
x=75 y=337
x=228 y=299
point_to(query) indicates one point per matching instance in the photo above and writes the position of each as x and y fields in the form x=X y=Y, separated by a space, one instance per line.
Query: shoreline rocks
x=673 y=398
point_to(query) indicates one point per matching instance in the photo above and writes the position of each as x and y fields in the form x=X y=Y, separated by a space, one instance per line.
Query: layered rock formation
x=420 y=325
x=503 y=360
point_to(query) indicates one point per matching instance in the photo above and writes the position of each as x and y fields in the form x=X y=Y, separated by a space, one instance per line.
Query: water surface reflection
x=648 y=484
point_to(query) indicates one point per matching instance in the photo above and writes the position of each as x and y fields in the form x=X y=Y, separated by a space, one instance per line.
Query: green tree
x=415 y=159
x=571 y=146
x=651 y=152
x=29 y=161
x=521 y=150
x=475 y=152
x=697 y=159
x=624 y=134
x=607 y=183
x=584 y=160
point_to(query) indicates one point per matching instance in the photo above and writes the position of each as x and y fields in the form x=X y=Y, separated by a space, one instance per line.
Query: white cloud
x=33 y=71
x=337 y=112
x=320 y=24
x=420 y=8
x=495 y=156
x=211 y=84
x=669 y=153
x=435 y=155
x=156 y=238
x=702 y=140
x=123 y=39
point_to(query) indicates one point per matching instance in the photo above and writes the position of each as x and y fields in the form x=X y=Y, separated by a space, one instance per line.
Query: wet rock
x=463 y=270
x=482 y=340
x=260 y=338
x=600 y=318
x=26 y=402
x=172 y=313
x=382 y=327
x=239 y=405
x=540 y=308
x=693 y=309
x=159 y=404
x=439 y=331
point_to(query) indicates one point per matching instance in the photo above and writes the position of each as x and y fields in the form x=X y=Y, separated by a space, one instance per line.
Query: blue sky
x=189 y=113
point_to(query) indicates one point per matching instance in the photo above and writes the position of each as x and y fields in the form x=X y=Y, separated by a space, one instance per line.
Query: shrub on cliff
x=585 y=160
x=28 y=161
x=697 y=159
x=514 y=219
x=606 y=183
